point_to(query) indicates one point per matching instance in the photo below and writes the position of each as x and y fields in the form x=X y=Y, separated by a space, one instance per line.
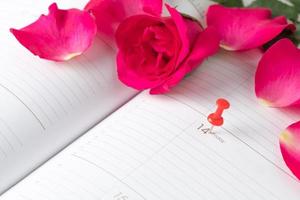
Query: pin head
x=223 y=103
x=216 y=118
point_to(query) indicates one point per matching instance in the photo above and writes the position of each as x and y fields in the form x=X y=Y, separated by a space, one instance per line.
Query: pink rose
x=157 y=52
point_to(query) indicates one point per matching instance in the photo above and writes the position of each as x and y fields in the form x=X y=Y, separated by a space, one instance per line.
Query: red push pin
x=216 y=118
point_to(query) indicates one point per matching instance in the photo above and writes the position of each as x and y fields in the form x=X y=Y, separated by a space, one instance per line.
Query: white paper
x=156 y=147
x=46 y=105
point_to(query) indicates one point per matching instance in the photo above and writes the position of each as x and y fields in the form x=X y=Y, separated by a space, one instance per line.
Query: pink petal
x=59 y=36
x=277 y=80
x=290 y=148
x=110 y=13
x=245 y=28
x=183 y=33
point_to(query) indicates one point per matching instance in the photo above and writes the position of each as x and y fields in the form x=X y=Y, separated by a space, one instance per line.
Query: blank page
x=156 y=147
x=45 y=105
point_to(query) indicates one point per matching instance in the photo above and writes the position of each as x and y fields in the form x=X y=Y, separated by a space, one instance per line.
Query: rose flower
x=157 y=52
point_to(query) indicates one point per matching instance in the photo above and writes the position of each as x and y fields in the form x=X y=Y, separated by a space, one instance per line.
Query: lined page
x=45 y=105
x=156 y=147
x=193 y=8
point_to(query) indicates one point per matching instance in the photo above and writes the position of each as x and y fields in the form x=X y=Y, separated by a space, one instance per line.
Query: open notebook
x=133 y=146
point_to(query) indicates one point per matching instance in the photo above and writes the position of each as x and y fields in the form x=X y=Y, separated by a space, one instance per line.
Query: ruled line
x=242 y=141
x=7 y=127
x=28 y=108
x=111 y=174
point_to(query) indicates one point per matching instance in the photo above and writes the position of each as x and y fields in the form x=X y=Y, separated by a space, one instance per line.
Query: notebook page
x=197 y=8
x=194 y=8
x=45 y=105
x=155 y=147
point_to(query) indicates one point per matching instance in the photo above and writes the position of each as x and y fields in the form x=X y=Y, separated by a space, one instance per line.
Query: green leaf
x=284 y=34
x=230 y=3
x=278 y=8
x=297 y=33
x=296 y=4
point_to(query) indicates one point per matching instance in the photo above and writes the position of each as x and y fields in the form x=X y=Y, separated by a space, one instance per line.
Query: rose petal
x=206 y=44
x=183 y=33
x=245 y=28
x=59 y=36
x=277 y=80
x=290 y=148
x=109 y=13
